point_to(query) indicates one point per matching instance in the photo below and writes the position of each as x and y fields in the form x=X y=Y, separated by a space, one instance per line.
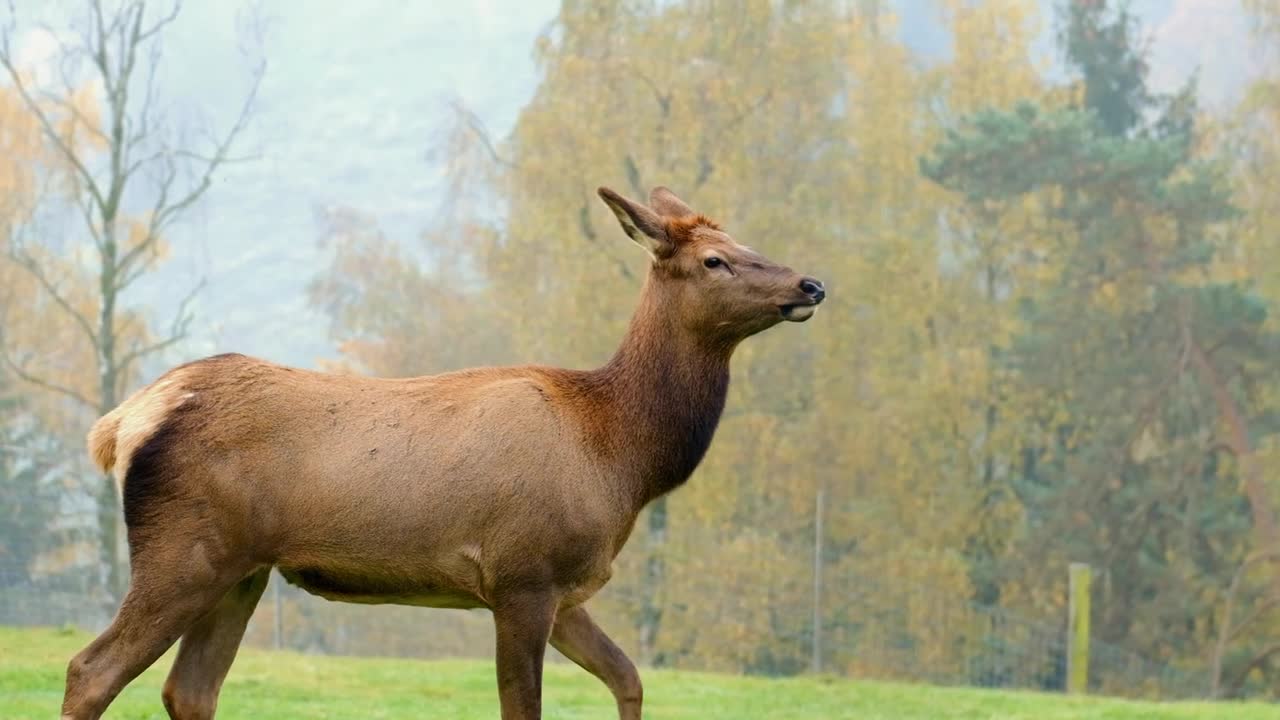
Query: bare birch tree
x=132 y=179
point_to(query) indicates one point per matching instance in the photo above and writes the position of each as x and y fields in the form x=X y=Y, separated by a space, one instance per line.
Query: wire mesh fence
x=761 y=621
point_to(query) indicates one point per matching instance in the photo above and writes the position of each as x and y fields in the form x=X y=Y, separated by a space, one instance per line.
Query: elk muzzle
x=813 y=294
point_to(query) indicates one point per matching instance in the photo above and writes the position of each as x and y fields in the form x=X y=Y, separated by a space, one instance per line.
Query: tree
x=1246 y=652
x=984 y=256
x=808 y=160
x=375 y=293
x=131 y=178
x=1139 y=347
x=617 y=97
x=998 y=383
x=29 y=468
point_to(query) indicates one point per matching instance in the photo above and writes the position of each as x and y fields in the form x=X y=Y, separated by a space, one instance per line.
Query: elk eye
x=713 y=262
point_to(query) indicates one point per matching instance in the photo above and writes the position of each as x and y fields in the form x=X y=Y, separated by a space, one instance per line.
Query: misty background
x=1049 y=231
x=356 y=98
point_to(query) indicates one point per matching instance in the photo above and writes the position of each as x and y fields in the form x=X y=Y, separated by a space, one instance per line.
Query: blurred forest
x=1052 y=335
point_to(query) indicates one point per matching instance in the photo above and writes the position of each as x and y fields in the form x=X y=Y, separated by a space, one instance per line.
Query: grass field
x=276 y=686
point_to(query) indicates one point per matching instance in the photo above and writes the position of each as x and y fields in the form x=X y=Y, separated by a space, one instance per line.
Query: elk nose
x=813 y=288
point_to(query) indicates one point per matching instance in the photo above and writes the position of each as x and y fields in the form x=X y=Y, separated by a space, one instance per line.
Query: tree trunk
x=111 y=536
x=110 y=515
x=654 y=575
x=137 y=144
x=1264 y=521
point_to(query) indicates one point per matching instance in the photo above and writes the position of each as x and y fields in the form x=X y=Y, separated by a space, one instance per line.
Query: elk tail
x=102 y=441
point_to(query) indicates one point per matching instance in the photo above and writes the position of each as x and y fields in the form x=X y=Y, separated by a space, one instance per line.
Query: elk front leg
x=577 y=636
x=522 y=624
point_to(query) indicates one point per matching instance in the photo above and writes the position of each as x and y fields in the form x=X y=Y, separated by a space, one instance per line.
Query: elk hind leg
x=168 y=593
x=577 y=636
x=207 y=650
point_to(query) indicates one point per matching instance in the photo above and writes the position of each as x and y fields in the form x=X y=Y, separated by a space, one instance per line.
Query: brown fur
x=682 y=227
x=507 y=488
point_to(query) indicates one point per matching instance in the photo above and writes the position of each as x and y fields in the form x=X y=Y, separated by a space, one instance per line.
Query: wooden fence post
x=1078 y=628
x=819 y=509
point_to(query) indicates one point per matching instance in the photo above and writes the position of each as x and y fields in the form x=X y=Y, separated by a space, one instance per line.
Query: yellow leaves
x=1145 y=447
x=1257 y=182
x=910 y=606
x=40 y=330
x=68 y=556
x=1254 y=144
x=138 y=232
x=21 y=150
x=901 y=400
x=1106 y=295
x=1267 y=12
x=992 y=64
x=722 y=595
x=42 y=336
x=78 y=122
x=1267 y=458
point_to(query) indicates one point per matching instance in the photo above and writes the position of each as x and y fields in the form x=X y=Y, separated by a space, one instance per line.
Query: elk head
x=713 y=286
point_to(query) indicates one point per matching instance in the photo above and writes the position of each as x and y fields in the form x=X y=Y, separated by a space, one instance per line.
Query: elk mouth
x=798 y=312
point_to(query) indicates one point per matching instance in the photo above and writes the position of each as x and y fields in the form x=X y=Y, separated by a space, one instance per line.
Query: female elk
x=506 y=488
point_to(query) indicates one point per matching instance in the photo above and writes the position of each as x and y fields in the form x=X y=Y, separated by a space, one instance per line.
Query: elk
x=507 y=488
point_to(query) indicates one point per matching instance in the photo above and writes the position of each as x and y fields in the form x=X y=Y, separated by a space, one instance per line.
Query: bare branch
x=748 y=110
x=98 y=25
x=164 y=214
x=633 y=175
x=83 y=204
x=589 y=232
x=630 y=68
x=10 y=26
x=128 y=267
x=66 y=55
x=1258 y=660
x=47 y=125
x=138 y=353
x=148 y=98
x=127 y=273
x=161 y=23
x=1258 y=611
x=137 y=164
x=1226 y=630
x=70 y=107
x=718 y=137
x=125 y=267
x=28 y=263
x=39 y=382
x=178 y=330
x=477 y=128
x=119 y=103
x=1145 y=415
x=230 y=159
x=97 y=46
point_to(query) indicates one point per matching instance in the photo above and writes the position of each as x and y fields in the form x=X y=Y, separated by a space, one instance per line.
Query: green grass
x=275 y=686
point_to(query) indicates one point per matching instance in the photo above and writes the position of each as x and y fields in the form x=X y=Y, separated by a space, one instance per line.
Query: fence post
x=819 y=504
x=1078 y=628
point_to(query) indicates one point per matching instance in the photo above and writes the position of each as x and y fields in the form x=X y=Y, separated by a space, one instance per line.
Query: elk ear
x=639 y=222
x=665 y=202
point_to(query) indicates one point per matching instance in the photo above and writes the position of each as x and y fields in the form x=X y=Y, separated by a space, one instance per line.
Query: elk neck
x=661 y=395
